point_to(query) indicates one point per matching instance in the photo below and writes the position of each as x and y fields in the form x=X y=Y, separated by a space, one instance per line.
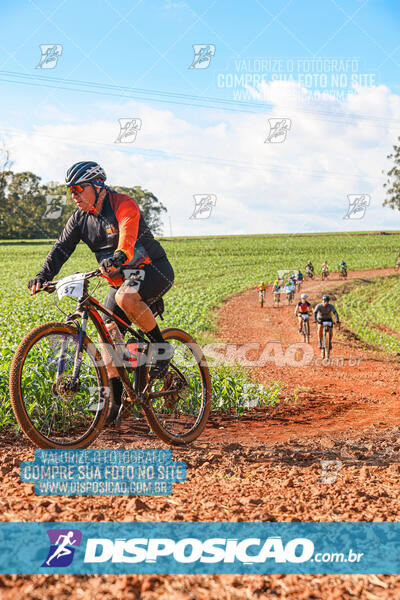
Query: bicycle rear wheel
x=326 y=343
x=179 y=418
x=51 y=412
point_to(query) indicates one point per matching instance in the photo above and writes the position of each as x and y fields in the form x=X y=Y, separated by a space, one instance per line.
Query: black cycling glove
x=117 y=260
x=38 y=279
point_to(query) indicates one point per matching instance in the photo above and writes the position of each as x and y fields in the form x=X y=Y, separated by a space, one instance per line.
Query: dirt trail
x=354 y=390
x=265 y=466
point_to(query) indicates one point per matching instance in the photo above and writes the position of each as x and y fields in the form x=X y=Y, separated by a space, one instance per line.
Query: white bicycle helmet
x=84 y=172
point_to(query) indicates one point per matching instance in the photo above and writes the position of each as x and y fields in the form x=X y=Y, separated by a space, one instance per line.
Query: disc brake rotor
x=172 y=382
x=64 y=387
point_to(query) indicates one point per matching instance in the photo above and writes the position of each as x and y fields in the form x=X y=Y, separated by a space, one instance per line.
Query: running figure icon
x=63 y=543
x=62 y=549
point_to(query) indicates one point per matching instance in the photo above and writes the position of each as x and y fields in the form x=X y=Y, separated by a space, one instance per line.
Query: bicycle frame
x=89 y=307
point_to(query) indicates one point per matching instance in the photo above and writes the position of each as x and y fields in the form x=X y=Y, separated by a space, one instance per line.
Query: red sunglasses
x=76 y=189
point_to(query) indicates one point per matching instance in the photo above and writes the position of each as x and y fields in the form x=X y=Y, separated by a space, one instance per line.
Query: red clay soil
x=262 y=467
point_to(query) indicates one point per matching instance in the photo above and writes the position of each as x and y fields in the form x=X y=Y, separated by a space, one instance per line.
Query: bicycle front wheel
x=180 y=417
x=53 y=409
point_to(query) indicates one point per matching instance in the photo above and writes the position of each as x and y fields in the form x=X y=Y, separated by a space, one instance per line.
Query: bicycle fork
x=79 y=353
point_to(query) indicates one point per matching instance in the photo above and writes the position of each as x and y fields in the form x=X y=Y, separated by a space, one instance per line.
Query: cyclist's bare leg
x=320 y=328
x=129 y=300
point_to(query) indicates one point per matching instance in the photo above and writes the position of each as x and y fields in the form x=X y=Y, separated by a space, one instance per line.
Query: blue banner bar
x=189 y=548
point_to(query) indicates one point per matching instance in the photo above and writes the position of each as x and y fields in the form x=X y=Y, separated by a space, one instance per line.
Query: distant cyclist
x=289 y=290
x=303 y=307
x=310 y=269
x=261 y=287
x=324 y=267
x=398 y=261
x=343 y=267
x=276 y=291
x=276 y=285
x=323 y=312
x=300 y=279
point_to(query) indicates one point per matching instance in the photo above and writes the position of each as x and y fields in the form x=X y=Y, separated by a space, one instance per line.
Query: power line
x=189 y=100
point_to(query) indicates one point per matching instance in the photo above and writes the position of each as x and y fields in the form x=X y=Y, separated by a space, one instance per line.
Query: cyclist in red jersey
x=113 y=227
x=303 y=307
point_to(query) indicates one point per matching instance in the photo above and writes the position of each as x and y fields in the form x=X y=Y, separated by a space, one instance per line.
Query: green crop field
x=207 y=270
x=371 y=310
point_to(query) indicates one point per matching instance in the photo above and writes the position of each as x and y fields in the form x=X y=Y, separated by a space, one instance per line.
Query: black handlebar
x=50 y=286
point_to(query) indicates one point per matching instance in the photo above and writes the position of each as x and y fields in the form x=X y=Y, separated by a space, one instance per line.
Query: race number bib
x=71 y=286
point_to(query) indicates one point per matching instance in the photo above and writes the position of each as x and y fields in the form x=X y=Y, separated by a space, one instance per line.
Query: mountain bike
x=343 y=273
x=59 y=387
x=305 y=327
x=324 y=274
x=326 y=339
x=277 y=298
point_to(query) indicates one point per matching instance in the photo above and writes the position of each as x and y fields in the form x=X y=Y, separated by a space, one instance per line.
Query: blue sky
x=148 y=46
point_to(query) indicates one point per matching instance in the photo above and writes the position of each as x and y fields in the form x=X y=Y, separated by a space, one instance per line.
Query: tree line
x=30 y=209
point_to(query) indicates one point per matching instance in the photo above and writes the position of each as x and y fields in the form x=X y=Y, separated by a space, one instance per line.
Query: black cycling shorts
x=152 y=281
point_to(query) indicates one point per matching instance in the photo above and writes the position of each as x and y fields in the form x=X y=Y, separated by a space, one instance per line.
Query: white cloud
x=298 y=185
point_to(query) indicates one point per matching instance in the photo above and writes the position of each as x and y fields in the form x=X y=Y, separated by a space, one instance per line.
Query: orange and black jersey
x=119 y=226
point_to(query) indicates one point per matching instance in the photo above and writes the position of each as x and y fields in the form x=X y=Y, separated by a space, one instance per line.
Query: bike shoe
x=162 y=364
